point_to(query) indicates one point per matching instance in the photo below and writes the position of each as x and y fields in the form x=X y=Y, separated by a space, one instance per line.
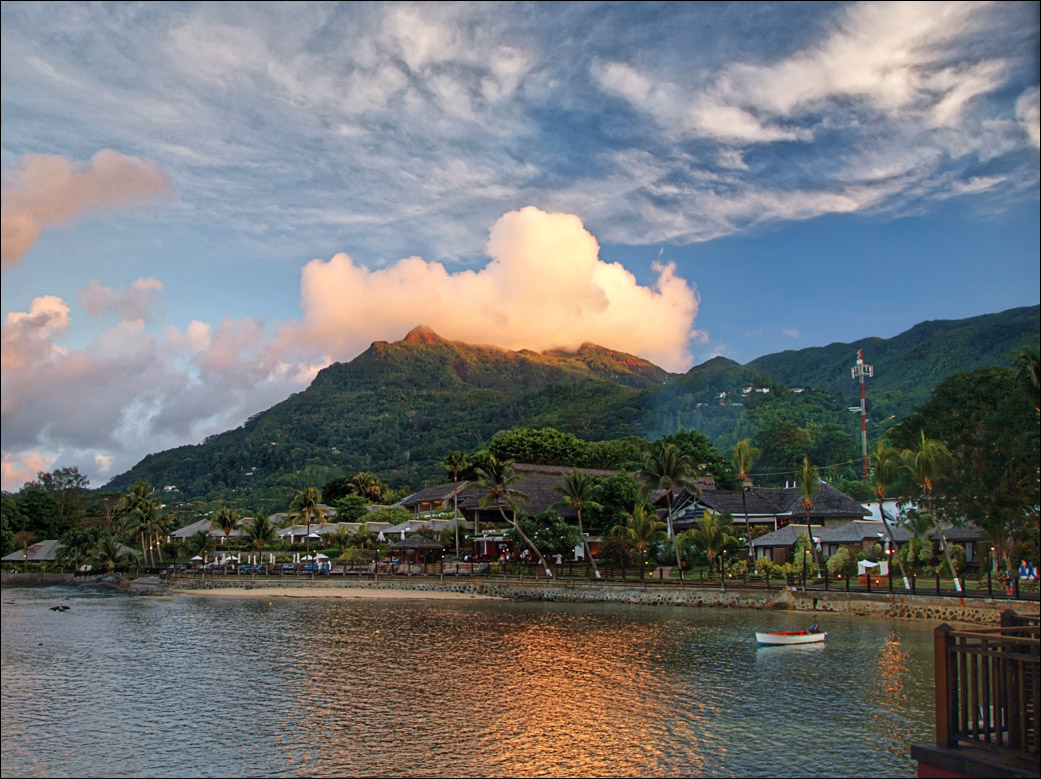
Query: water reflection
x=238 y=687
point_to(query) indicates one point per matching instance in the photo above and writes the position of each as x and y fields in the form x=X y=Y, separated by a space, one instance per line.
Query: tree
x=23 y=539
x=925 y=463
x=704 y=457
x=261 y=533
x=993 y=438
x=744 y=459
x=579 y=491
x=668 y=469
x=495 y=480
x=886 y=466
x=68 y=487
x=226 y=520
x=455 y=462
x=140 y=512
x=809 y=482
x=368 y=485
x=1026 y=360
x=200 y=543
x=306 y=506
x=549 y=531
x=714 y=533
x=641 y=531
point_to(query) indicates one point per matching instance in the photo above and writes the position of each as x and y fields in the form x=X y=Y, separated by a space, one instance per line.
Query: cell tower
x=863 y=371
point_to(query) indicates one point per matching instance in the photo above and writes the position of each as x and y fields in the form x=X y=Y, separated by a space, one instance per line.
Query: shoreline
x=977 y=611
x=334 y=592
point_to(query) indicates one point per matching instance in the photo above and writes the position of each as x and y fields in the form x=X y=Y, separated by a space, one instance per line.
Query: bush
x=840 y=563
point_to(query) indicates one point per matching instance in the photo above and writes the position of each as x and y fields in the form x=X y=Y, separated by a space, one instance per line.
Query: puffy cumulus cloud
x=46 y=190
x=16 y=470
x=136 y=304
x=545 y=287
x=28 y=337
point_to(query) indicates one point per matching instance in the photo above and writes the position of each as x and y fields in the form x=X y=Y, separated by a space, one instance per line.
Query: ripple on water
x=236 y=687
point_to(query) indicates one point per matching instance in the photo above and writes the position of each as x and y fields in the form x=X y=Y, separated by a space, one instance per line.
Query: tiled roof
x=41 y=551
x=783 y=537
x=438 y=492
x=537 y=482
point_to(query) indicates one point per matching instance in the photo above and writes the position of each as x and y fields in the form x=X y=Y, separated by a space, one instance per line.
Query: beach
x=348 y=593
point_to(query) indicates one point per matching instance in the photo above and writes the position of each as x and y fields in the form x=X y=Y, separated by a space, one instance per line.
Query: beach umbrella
x=196 y=559
x=321 y=556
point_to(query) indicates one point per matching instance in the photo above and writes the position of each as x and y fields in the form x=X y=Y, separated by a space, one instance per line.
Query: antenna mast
x=861 y=371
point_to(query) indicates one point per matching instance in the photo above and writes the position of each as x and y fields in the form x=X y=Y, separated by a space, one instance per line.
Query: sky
x=206 y=203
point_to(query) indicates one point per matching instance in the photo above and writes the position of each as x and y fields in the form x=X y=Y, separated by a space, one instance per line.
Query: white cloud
x=1028 y=114
x=545 y=287
x=135 y=304
x=47 y=190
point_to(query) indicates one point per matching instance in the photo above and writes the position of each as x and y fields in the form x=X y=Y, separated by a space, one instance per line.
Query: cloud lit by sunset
x=544 y=287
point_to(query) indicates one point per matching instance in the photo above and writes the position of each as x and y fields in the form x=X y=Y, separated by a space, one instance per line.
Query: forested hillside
x=399 y=407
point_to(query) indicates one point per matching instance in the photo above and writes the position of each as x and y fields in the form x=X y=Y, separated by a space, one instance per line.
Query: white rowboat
x=811 y=636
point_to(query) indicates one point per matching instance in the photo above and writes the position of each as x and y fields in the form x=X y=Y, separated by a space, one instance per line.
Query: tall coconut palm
x=886 y=465
x=809 y=484
x=641 y=531
x=200 y=543
x=744 y=458
x=140 y=509
x=260 y=532
x=925 y=463
x=306 y=506
x=455 y=462
x=579 y=491
x=714 y=533
x=225 y=519
x=495 y=479
x=666 y=468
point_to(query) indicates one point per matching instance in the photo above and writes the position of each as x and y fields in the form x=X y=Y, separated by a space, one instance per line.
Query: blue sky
x=206 y=203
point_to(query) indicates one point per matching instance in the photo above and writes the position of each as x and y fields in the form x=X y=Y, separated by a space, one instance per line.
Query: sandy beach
x=350 y=593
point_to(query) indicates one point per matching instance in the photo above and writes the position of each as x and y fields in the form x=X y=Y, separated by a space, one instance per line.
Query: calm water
x=124 y=686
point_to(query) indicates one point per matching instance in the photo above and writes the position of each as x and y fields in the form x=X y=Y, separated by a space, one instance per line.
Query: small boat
x=812 y=636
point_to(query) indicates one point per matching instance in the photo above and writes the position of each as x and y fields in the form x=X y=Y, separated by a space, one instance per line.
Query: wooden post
x=941 y=680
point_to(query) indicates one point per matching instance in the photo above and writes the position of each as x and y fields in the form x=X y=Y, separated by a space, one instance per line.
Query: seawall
x=982 y=611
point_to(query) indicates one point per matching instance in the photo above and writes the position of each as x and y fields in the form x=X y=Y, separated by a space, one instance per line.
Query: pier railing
x=988 y=687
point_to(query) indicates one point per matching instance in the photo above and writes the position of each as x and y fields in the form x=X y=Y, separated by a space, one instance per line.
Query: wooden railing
x=987 y=685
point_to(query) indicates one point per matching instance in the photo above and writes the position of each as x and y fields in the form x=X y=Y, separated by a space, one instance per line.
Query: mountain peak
x=421 y=334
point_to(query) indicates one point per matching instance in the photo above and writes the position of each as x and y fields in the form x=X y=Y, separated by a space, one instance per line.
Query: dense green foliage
x=398 y=408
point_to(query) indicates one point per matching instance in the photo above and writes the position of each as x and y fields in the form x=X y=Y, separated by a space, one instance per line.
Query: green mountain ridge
x=398 y=407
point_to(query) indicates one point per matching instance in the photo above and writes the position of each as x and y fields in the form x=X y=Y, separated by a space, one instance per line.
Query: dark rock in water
x=147 y=585
x=112 y=582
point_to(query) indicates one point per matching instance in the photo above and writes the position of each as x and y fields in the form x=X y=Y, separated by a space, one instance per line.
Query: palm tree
x=714 y=534
x=1026 y=371
x=225 y=519
x=367 y=484
x=495 y=479
x=809 y=483
x=260 y=532
x=744 y=458
x=23 y=539
x=112 y=553
x=666 y=468
x=306 y=506
x=77 y=548
x=140 y=508
x=455 y=462
x=641 y=531
x=886 y=464
x=200 y=542
x=925 y=463
x=363 y=535
x=579 y=491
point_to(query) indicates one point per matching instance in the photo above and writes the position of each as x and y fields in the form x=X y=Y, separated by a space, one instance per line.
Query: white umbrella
x=307 y=557
x=197 y=558
x=381 y=537
x=321 y=556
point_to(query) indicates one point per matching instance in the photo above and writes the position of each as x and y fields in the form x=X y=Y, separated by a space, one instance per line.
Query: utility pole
x=861 y=371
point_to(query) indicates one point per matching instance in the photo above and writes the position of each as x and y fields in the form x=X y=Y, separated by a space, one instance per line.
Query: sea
x=188 y=685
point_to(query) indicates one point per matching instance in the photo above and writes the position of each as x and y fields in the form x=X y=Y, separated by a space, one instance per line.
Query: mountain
x=908 y=365
x=397 y=408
